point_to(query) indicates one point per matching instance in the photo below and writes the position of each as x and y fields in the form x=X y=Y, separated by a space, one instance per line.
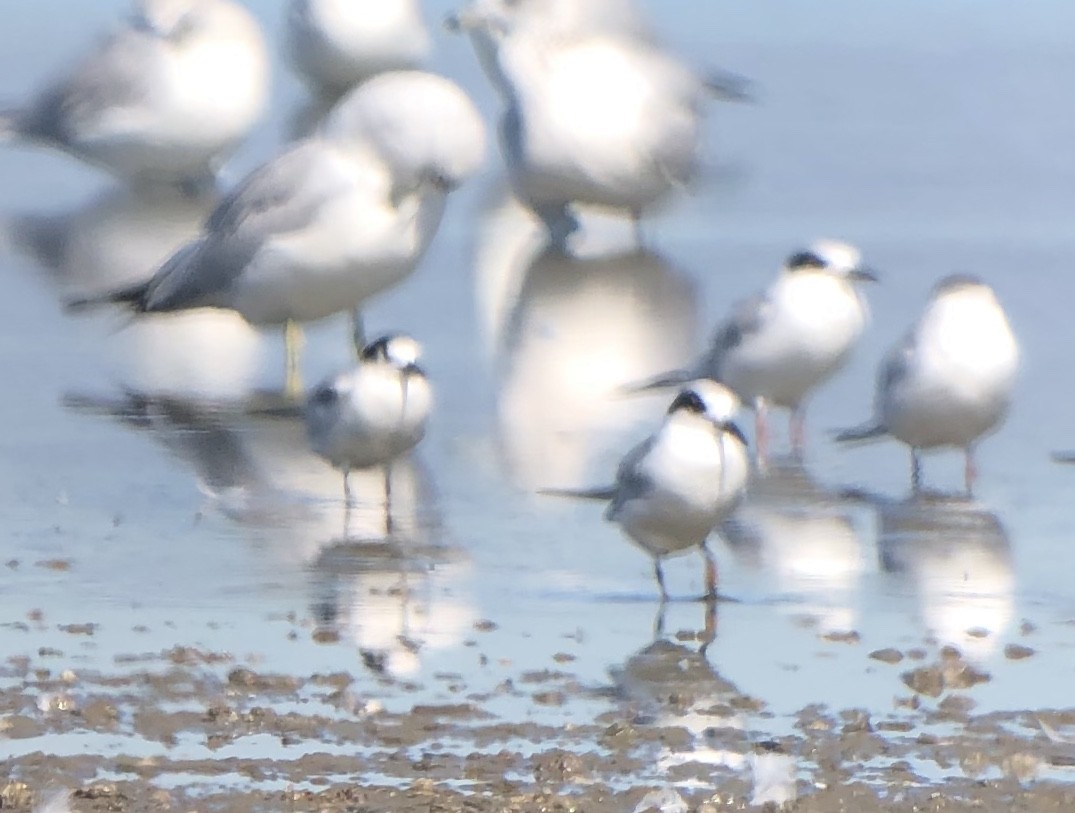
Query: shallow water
x=936 y=139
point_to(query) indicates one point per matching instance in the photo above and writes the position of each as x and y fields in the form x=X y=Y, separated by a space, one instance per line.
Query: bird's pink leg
x=710 y=574
x=761 y=433
x=797 y=431
x=970 y=471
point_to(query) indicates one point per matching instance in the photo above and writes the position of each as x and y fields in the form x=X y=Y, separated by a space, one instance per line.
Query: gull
x=678 y=484
x=334 y=220
x=949 y=382
x=372 y=414
x=779 y=346
x=164 y=98
x=336 y=44
x=596 y=112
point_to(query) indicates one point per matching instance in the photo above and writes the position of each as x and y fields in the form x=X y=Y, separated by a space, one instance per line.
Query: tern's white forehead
x=836 y=254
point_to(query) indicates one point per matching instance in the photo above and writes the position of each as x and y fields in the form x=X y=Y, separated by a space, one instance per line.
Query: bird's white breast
x=959 y=377
x=810 y=324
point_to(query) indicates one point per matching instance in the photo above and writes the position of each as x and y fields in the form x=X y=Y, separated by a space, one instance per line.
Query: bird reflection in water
x=379 y=572
x=669 y=683
x=393 y=600
x=117 y=238
x=578 y=330
x=804 y=535
x=956 y=555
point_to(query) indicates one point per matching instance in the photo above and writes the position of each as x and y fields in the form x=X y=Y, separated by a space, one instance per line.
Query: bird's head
x=833 y=257
x=397 y=349
x=423 y=127
x=711 y=401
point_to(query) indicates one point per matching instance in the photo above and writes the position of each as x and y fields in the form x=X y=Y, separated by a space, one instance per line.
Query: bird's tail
x=1063 y=457
x=726 y=86
x=664 y=381
x=594 y=493
x=863 y=433
x=132 y=297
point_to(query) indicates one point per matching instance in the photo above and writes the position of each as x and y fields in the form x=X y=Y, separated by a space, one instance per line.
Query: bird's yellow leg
x=293 y=342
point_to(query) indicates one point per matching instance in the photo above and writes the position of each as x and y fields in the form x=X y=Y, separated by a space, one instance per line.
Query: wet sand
x=286 y=741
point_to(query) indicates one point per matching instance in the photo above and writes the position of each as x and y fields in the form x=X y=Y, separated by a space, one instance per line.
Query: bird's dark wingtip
x=133 y=298
x=860 y=434
x=594 y=493
x=664 y=381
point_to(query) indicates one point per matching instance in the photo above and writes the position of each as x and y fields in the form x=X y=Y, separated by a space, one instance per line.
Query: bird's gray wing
x=120 y=73
x=894 y=369
x=748 y=318
x=631 y=481
x=282 y=196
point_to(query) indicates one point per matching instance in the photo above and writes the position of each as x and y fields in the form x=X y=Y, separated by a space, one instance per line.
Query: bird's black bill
x=732 y=428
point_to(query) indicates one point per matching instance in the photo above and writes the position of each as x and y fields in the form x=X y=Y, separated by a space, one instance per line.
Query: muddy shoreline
x=188 y=729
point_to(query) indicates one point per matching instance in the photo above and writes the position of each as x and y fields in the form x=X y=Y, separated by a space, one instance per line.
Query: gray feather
x=282 y=196
x=196 y=276
x=672 y=378
x=871 y=430
x=631 y=481
x=120 y=73
x=747 y=319
x=895 y=367
x=601 y=493
x=729 y=87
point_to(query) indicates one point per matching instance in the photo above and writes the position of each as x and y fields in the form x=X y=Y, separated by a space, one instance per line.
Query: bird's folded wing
x=748 y=319
x=283 y=196
x=280 y=196
x=113 y=80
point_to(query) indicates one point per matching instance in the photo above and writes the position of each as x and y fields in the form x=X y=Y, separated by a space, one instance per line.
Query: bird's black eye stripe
x=805 y=259
x=732 y=428
x=377 y=350
x=688 y=400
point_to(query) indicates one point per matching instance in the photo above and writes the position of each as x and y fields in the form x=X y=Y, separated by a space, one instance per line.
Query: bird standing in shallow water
x=678 y=484
x=332 y=221
x=778 y=347
x=596 y=112
x=949 y=382
x=372 y=414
